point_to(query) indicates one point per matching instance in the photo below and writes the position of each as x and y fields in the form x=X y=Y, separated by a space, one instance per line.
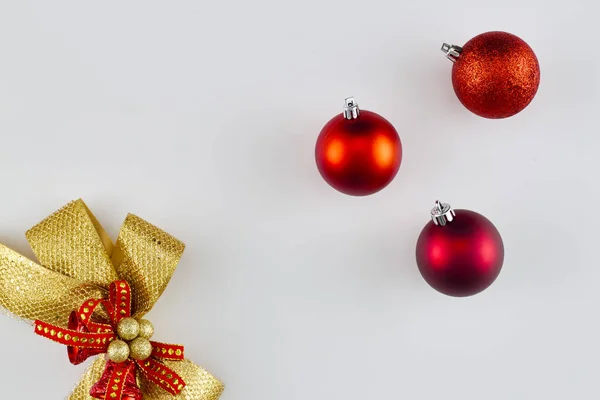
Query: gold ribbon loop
x=31 y=292
x=72 y=242
x=146 y=257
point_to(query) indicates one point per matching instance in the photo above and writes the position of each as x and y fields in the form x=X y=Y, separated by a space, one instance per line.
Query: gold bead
x=128 y=329
x=118 y=351
x=140 y=348
x=146 y=328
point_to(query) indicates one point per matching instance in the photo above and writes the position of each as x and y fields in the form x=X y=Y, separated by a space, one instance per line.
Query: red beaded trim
x=99 y=327
x=120 y=298
x=73 y=338
x=118 y=307
x=167 y=351
x=162 y=375
x=86 y=311
x=116 y=383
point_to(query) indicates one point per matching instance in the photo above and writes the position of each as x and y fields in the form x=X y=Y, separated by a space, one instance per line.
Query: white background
x=201 y=117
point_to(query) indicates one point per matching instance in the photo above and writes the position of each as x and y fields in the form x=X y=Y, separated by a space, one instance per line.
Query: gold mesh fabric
x=200 y=385
x=73 y=243
x=31 y=291
x=89 y=378
x=78 y=258
x=146 y=257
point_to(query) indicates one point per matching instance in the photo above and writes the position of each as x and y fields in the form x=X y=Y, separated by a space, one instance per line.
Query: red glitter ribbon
x=97 y=335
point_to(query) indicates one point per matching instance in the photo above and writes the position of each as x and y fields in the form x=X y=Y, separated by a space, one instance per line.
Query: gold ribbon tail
x=200 y=384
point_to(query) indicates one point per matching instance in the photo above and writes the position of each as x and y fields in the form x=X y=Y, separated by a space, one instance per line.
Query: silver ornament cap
x=351 y=110
x=452 y=51
x=442 y=213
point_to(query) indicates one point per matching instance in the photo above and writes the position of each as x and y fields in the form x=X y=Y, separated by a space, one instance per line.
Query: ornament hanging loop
x=351 y=110
x=442 y=213
x=452 y=51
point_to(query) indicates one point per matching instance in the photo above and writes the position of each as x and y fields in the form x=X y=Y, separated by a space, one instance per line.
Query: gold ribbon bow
x=79 y=262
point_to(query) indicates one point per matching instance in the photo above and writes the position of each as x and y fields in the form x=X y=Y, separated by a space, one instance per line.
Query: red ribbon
x=118 y=306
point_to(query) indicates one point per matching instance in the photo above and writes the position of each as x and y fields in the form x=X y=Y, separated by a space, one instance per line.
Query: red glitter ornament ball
x=460 y=252
x=495 y=75
x=358 y=152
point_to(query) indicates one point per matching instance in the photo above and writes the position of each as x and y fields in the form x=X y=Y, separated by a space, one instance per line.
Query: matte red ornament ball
x=358 y=156
x=495 y=75
x=462 y=258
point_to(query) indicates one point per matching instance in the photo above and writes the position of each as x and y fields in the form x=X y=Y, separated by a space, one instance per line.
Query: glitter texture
x=77 y=261
x=147 y=257
x=496 y=75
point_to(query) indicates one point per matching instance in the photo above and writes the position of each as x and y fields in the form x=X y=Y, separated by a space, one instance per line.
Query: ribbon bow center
x=124 y=339
x=133 y=340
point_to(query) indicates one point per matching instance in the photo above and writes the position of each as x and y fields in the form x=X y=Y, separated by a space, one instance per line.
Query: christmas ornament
x=146 y=328
x=128 y=328
x=90 y=295
x=459 y=252
x=358 y=152
x=140 y=348
x=495 y=75
x=118 y=351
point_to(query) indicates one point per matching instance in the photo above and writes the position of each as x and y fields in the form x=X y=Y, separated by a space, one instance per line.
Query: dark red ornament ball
x=496 y=75
x=358 y=156
x=461 y=258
